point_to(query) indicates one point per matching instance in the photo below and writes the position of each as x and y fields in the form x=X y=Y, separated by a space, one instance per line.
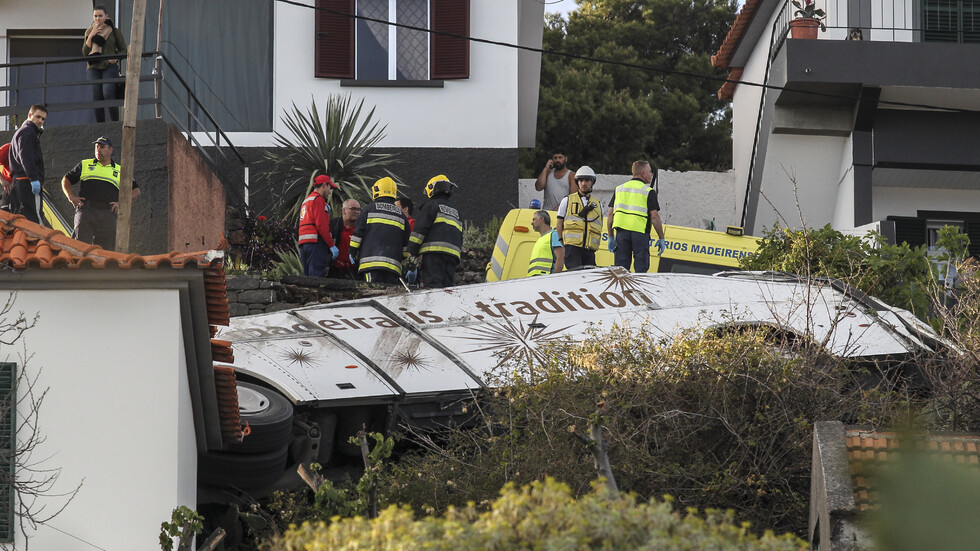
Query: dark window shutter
x=909 y=230
x=973 y=232
x=450 y=56
x=335 y=39
x=8 y=443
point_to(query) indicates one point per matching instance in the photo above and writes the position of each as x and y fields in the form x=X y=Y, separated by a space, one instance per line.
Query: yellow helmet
x=385 y=187
x=439 y=184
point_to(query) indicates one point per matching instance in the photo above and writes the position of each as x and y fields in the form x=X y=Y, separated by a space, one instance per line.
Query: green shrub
x=900 y=275
x=716 y=420
x=542 y=515
x=481 y=237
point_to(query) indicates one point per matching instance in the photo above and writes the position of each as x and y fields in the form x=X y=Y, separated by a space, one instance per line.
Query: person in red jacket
x=316 y=246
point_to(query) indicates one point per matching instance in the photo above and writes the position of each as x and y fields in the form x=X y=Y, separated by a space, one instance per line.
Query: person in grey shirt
x=556 y=180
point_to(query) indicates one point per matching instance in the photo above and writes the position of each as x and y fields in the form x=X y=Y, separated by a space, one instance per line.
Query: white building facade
x=873 y=123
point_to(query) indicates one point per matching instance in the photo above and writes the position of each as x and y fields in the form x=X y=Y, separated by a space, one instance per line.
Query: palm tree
x=338 y=145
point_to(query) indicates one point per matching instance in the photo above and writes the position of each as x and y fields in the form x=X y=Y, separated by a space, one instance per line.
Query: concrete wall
x=485 y=177
x=196 y=197
x=907 y=201
x=181 y=204
x=116 y=417
x=801 y=178
x=844 y=208
x=690 y=199
x=64 y=147
x=745 y=111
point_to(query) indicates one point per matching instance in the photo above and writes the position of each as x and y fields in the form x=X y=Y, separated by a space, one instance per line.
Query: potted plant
x=808 y=19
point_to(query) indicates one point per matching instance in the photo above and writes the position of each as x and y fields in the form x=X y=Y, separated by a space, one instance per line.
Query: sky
x=562 y=6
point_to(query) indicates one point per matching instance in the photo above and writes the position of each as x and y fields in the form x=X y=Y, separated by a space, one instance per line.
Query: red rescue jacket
x=314 y=221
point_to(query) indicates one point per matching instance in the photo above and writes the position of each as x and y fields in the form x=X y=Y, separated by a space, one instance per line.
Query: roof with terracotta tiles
x=26 y=245
x=727 y=90
x=735 y=34
x=722 y=59
x=867 y=449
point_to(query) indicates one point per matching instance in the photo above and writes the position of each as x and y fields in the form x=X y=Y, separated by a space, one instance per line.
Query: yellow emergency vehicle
x=689 y=250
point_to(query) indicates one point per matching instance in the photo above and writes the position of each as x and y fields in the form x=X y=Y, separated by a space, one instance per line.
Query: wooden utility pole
x=130 y=107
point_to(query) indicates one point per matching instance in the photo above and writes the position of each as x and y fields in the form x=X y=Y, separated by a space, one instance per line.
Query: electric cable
x=646 y=68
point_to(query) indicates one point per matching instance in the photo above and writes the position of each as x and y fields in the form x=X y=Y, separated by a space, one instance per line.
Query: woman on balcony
x=102 y=38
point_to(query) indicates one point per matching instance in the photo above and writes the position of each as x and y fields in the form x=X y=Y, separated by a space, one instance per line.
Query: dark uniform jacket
x=381 y=237
x=437 y=229
x=26 y=160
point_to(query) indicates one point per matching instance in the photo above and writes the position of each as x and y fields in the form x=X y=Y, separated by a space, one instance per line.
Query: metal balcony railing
x=171 y=97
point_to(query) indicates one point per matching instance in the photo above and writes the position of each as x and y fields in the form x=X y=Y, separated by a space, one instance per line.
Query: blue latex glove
x=661 y=246
x=36 y=187
x=612 y=244
x=334 y=251
x=412 y=276
x=352 y=259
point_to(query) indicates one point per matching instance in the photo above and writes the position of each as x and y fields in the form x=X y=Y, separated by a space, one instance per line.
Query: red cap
x=324 y=179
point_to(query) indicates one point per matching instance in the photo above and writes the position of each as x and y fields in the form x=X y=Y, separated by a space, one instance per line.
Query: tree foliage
x=608 y=115
x=541 y=515
x=900 y=275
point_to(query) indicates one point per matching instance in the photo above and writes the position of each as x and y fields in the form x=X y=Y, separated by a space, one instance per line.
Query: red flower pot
x=805 y=27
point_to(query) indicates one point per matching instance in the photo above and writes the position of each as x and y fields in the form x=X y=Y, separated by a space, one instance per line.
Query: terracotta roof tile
x=727 y=90
x=735 y=34
x=227 y=390
x=26 y=245
x=867 y=449
x=722 y=59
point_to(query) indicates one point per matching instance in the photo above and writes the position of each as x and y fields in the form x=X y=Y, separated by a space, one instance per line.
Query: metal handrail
x=190 y=103
x=778 y=33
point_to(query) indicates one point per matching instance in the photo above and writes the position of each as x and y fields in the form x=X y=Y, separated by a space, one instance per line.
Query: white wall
x=686 y=198
x=844 y=209
x=906 y=201
x=481 y=111
x=814 y=163
x=745 y=109
x=117 y=413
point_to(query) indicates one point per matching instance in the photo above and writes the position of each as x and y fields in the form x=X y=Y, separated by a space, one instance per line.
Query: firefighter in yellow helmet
x=379 y=243
x=438 y=235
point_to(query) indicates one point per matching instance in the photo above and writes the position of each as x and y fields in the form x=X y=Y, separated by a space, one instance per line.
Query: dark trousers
x=30 y=204
x=380 y=276
x=96 y=226
x=633 y=246
x=104 y=91
x=438 y=270
x=315 y=258
x=576 y=257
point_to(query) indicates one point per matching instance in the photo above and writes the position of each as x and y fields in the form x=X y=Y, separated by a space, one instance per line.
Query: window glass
x=372 y=40
x=413 y=46
x=381 y=58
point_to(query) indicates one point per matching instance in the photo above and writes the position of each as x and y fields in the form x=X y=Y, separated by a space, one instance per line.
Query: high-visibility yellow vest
x=542 y=256
x=92 y=169
x=631 y=206
x=582 y=231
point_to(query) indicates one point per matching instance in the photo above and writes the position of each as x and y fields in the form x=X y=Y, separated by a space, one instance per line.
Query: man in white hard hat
x=580 y=222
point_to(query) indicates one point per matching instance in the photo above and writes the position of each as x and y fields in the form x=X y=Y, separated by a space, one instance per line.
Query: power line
x=646 y=68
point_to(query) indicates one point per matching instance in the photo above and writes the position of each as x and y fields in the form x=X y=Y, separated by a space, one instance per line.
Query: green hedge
x=542 y=515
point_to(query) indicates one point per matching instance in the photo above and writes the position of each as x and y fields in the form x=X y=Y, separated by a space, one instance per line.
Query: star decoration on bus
x=304 y=358
x=615 y=277
x=511 y=341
